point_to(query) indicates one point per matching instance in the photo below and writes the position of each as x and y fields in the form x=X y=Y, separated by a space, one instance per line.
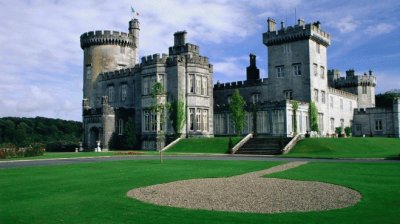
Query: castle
x=117 y=90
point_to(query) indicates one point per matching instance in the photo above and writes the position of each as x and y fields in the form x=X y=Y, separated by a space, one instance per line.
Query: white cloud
x=379 y=29
x=230 y=68
x=346 y=24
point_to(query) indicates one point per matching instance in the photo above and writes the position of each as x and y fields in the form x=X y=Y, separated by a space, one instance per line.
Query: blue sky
x=41 y=60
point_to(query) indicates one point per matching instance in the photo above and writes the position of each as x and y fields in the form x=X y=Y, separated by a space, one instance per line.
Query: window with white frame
x=315 y=69
x=297 y=69
x=279 y=71
x=149 y=121
x=323 y=97
x=378 y=125
x=288 y=94
x=110 y=93
x=120 y=127
x=124 y=92
x=316 y=95
x=204 y=85
x=351 y=106
x=255 y=98
x=321 y=121
x=198 y=85
x=342 y=124
x=198 y=119
x=191 y=83
x=205 y=120
x=148 y=83
x=332 y=124
x=322 y=72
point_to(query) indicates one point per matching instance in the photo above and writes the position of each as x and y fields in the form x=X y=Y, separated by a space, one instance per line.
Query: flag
x=134 y=12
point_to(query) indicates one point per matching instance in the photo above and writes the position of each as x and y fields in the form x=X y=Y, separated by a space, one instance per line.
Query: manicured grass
x=58 y=155
x=96 y=192
x=347 y=148
x=378 y=184
x=204 y=145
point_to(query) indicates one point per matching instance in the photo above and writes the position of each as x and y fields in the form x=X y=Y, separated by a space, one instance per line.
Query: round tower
x=106 y=51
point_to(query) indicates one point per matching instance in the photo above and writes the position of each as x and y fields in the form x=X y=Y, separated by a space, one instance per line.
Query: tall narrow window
x=364 y=89
x=378 y=125
x=323 y=97
x=110 y=94
x=332 y=124
x=322 y=72
x=191 y=119
x=88 y=72
x=161 y=79
x=122 y=50
x=146 y=120
x=124 y=91
x=321 y=121
x=145 y=85
x=288 y=94
x=297 y=69
x=279 y=71
x=315 y=69
x=351 y=106
x=198 y=85
x=318 y=48
x=204 y=86
x=316 y=95
x=331 y=101
x=198 y=119
x=341 y=104
x=120 y=127
x=205 y=120
x=255 y=97
x=191 y=83
x=153 y=121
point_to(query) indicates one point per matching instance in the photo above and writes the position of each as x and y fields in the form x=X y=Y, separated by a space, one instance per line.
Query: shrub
x=9 y=150
x=36 y=149
x=338 y=131
x=61 y=146
x=347 y=130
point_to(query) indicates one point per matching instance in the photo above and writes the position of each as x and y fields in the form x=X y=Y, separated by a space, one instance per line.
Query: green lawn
x=96 y=192
x=203 y=145
x=66 y=155
x=346 y=148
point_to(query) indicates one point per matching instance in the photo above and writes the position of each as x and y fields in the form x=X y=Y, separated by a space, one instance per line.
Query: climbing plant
x=177 y=115
x=313 y=116
x=236 y=108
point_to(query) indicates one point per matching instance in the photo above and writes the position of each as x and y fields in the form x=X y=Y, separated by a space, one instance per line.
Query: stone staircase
x=264 y=146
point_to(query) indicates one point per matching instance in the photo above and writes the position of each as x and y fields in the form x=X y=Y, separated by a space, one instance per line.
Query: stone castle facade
x=117 y=89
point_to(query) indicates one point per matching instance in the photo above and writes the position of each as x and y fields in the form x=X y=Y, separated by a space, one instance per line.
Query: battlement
x=342 y=93
x=301 y=31
x=154 y=59
x=351 y=79
x=106 y=37
x=119 y=73
x=186 y=48
x=240 y=84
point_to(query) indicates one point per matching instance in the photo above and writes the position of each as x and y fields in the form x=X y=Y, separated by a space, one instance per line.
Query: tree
x=129 y=135
x=295 y=107
x=237 y=111
x=177 y=114
x=313 y=116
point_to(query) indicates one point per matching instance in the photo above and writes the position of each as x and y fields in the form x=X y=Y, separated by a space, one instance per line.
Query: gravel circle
x=250 y=193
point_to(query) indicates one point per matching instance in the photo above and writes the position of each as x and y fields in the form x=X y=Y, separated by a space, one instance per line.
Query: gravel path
x=249 y=193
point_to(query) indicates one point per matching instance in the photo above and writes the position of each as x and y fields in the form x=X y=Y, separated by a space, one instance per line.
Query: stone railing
x=241 y=143
x=170 y=144
x=292 y=143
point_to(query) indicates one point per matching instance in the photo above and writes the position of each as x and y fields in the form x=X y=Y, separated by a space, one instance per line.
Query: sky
x=41 y=62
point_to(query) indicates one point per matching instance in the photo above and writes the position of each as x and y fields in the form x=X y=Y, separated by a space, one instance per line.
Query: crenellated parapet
x=154 y=59
x=300 y=31
x=184 y=49
x=240 y=84
x=352 y=80
x=119 y=73
x=107 y=37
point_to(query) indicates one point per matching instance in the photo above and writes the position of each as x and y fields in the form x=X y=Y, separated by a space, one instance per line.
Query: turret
x=106 y=51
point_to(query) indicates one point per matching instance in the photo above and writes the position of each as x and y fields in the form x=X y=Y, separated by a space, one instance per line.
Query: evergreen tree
x=236 y=108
